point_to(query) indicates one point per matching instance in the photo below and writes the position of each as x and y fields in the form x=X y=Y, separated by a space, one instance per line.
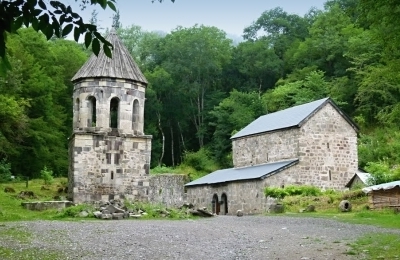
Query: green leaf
x=96 y=46
x=35 y=24
x=103 y=3
x=77 y=33
x=18 y=23
x=67 y=29
x=48 y=32
x=88 y=39
x=42 y=5
x=107 y=51
x=62 y=19
x=112 y=6
x=36 y=12
x=43 y=24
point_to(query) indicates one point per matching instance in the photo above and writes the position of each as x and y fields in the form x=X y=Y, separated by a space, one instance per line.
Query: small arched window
x=114 y=108
x=135 y=115
x=92 y=111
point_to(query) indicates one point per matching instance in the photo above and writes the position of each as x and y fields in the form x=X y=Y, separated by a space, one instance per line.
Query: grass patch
x=10 y=207
x=376 y=246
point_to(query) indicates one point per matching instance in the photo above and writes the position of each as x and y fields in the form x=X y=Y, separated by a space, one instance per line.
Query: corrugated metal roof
x=243 y=173
x=282 y=119
x=383 y=186
x=121 y=66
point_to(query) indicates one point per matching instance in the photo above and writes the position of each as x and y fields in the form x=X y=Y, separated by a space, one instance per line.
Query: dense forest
x=203 y=88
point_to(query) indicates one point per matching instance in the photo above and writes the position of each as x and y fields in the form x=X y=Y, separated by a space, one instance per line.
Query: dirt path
x=222 y=237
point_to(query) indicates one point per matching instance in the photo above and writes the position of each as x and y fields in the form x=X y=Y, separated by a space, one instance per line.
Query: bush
x=72 y=212
x=47 y=175
x=200 y=160
x=292 y=190
x=5 y=171
x=273 y=192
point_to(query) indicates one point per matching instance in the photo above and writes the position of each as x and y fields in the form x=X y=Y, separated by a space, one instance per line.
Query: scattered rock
x=275 y=208
x=9 y=190
x=83 y=214
x=106 y=216
x=239 y=213
x=44 y=188
x=309 y=208
x=345 y=206
x=27 y=195
x=200 y=212
x=97 y=214
x=118 y=216
x=186 y=206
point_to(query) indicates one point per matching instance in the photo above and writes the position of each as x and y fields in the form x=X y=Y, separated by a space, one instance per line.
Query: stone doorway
x=215 y=204
x=224 y=204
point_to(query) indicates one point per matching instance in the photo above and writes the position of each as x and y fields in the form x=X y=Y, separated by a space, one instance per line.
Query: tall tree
x=195 y=58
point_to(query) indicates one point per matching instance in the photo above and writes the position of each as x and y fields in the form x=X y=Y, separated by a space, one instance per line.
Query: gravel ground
x=221 y=237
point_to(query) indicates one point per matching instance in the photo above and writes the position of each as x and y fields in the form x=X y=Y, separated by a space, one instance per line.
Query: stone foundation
x=104 y=167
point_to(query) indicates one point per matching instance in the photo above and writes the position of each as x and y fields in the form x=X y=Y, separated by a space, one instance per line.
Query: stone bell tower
x=109 y=153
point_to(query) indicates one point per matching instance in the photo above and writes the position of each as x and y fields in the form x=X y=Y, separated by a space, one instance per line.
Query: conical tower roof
x=121 y=66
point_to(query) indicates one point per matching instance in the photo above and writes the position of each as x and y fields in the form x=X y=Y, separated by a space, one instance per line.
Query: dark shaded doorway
x=224 y=204
x=215 y=204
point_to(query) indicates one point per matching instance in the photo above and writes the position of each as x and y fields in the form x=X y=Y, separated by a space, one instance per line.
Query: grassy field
x=10 y=205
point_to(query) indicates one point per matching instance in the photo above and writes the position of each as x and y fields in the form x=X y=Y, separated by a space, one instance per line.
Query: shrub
x=72 y=212
x=47 y=175
x=381 y=173
x=200 y=160
x=5 y=171
x=292 y=190
x=273 y=192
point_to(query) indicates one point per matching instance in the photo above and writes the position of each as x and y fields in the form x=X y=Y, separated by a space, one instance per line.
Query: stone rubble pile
x=115 y=209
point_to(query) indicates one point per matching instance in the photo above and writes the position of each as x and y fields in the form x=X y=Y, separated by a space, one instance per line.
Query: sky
x=231 y=16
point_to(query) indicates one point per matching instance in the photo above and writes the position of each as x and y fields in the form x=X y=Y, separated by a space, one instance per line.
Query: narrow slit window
x=114 y=107
x=330 y=175
x=135 y=115
x=112 y=175
x=92 y=111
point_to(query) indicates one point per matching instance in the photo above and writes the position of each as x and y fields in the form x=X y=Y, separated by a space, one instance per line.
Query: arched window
x=92 y=111
x=114 y=105
x=135 y=115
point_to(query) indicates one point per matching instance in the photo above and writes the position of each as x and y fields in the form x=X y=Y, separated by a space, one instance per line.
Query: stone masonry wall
x=104 y=167
x=167 y=189
x=247 y=196
x=131 y=97
x=264 y=148
x=327 y=150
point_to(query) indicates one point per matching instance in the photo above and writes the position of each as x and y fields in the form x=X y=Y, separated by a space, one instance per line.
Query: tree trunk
x=183 y=141
x=163 y=140
x=172 y=146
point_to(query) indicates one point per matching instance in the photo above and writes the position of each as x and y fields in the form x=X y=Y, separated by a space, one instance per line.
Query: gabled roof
x=290 y=117
x=364 y=176
x=244 y=173
x=383 y=186
x=121 y=66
